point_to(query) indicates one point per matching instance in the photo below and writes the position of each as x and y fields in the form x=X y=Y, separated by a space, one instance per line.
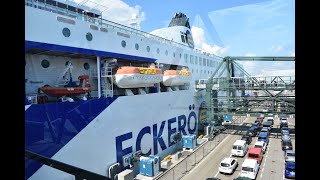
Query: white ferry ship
x=98 y=92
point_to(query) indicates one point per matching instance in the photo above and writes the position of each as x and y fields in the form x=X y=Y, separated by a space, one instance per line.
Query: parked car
x=263 y=136
x=258 y=122
x=284 y=132
x=265 y=129
x=270 y=120
x=290 y=170
x=247 y=138
x=286 y=145
x=252 y=131
x=255 y=153
x=213 y=178
x=228 y=165
x=289 y=156
x=267 y=124
x=285 y=138
x=283 y=124
x=250 y=168
x=262 y=145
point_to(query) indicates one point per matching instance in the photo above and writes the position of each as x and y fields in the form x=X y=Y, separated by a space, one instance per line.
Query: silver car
x=289 y=156
x=285 y=137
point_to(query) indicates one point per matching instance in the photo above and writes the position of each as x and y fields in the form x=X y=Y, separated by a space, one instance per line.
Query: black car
x=252 y=131
x=258 y=122
x=247 y=138
x=286 y=145
x=271 y=120
x=283 y=124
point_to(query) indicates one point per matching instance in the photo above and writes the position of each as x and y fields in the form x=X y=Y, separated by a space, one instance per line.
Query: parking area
x=272 y=165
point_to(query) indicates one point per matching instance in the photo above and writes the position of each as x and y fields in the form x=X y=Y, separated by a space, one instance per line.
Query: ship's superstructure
x=98 y=92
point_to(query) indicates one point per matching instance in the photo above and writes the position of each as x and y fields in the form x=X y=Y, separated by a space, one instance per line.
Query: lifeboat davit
x=135 y=77
x=176 y=77
x=68 y=91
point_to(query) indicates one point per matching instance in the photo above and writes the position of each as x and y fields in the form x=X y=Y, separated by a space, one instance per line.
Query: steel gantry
x=229 y=94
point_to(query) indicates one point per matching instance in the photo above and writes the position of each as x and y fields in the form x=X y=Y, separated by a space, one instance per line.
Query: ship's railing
x=108 y=24
x=80 y=174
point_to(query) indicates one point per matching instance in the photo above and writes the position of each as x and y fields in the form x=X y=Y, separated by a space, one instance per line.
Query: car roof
x=259 y=143
x=249 y=163
x=267 y=122
x=263 y=134
x=255 y=150
x=286 y=141
x=239 y=142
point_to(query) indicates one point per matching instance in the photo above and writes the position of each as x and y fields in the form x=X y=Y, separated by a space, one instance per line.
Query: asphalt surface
x=272 y=166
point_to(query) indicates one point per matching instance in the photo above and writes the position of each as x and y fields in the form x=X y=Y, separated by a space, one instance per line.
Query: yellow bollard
x=167 y=157
x=201 y=136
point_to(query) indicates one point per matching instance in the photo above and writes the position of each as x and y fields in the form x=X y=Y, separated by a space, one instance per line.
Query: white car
x=228 y=165
x=262 y=145
x=250 y=168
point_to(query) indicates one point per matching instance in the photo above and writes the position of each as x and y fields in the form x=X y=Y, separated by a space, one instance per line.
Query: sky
x=221 y=27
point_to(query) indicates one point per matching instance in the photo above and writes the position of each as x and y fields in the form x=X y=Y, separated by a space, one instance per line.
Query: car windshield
x=225 y=165
x=253 y=155
x=258 y=146
x=247 y=169
x=285 y=143
x=290 y=154
x=290 y=167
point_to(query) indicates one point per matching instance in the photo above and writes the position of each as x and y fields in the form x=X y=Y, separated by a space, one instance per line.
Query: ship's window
x=86 y=66
x=211 y=63
x=174 y=54
x=180 y=55
x=191 y=59
x=205 y=71
x=166 y=52
x=63 y=6
x=71 y=8
x=158 y=50
x=182 y=38
x=192 y=70
x=123 y=43
x=204 y=62
x=208 y=63
x=196 y=59
x=200 y=61
x=186 y=58
x=136 y=46
x=208 y=72
x=89 y=36
x=148 y=48
x=66 y=32
x=51 y=2
x=45 y=63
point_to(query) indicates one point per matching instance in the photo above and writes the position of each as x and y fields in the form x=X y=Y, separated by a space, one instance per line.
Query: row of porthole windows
x=45 y=64
x=66 y=33
x=206 y=62
x=124 y=44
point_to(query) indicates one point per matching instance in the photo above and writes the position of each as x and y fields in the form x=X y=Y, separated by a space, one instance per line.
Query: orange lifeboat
x=134 y=77
x=176 y=77
x=71 y=91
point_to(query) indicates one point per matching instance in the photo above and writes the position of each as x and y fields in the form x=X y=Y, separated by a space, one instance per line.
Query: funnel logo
x=189 y=39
